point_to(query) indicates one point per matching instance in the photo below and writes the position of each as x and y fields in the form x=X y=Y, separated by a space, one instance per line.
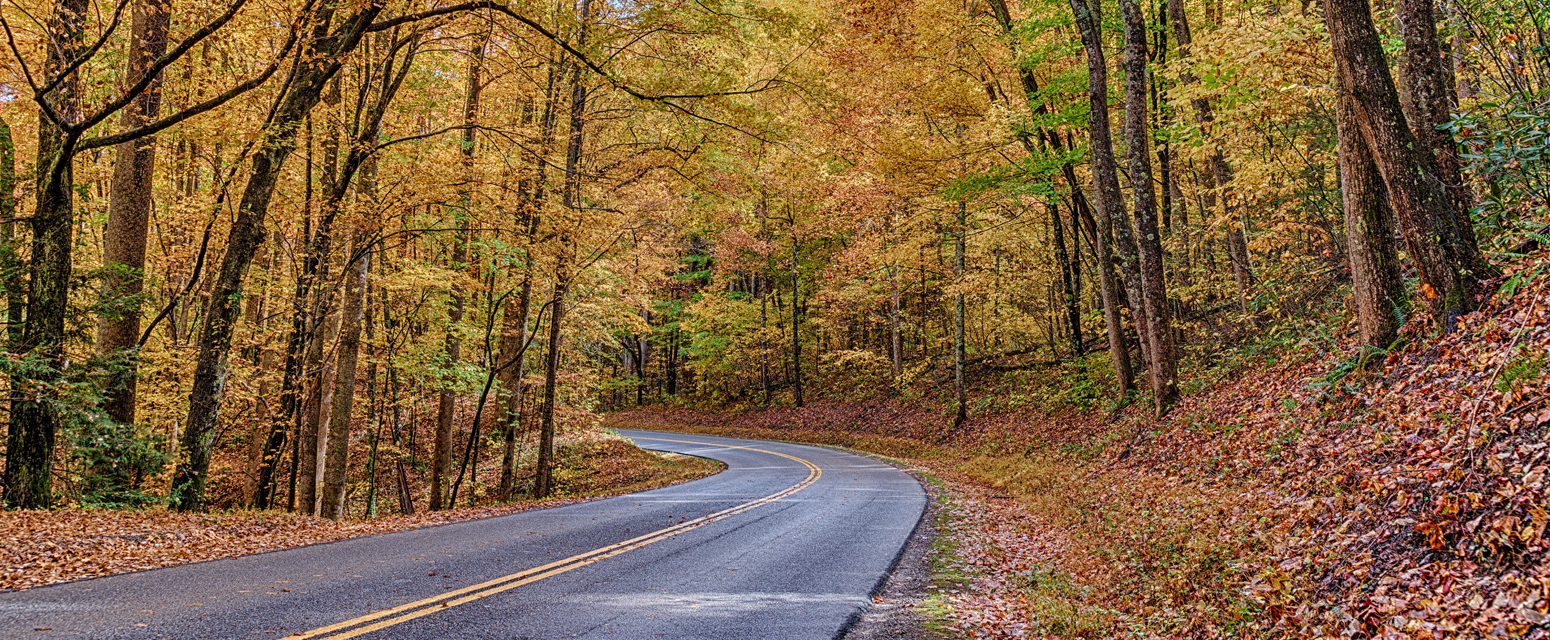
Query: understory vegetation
x=1292 y=496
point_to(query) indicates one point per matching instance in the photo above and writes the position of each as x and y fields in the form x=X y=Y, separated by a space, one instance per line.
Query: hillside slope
x=1298 y=496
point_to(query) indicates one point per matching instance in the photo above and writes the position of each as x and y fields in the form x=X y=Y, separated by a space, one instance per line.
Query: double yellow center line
x=405 y=612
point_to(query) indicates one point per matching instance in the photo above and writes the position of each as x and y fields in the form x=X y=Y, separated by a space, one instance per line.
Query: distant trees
x=325 y=275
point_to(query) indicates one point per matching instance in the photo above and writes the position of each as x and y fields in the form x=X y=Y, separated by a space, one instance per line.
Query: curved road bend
x=789 y=542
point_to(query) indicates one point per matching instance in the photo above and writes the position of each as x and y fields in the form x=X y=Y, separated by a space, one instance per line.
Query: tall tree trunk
x=30 y=438
x=513 y=347
x=895 y=344
x=1158 y=333
x=247 y=232
x=15 y=289
x=337 y=463
x=357 y=266
x=1369 y=227
x=1432 y=102
x=543 y=476
x=960 y=395
x=536 y=194
x=1068 y=273
x=129 y=207
x=1420 y=201
x=1112 y=223
x=318 y=378
x=796 y=320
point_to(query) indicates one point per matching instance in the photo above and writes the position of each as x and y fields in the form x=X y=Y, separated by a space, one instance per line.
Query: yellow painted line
x=385 y=618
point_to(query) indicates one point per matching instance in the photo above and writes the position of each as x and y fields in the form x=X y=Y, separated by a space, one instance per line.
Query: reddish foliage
x=1289 y=499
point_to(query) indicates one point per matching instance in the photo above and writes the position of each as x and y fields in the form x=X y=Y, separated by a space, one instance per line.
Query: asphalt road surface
x=788 y=543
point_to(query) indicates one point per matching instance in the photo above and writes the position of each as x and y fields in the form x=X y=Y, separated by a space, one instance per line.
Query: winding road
x=789 y=542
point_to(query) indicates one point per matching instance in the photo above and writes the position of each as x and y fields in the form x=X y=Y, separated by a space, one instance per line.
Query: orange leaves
x=44 y=547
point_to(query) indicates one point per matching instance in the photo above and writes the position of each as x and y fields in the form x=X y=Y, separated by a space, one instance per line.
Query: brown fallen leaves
x=1291 y=498
x=45 y=547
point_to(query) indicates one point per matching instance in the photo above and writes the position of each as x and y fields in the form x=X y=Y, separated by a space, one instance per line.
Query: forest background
x=375 y=258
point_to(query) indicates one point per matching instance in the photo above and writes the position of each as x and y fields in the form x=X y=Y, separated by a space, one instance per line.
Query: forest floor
x=1299 y=492
x=46 y=547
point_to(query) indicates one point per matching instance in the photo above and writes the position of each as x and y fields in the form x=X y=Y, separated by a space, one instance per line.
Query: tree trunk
x=1068 y=273
x=10 y=261
x=895 y=344
x=30 y=438
x=337 y=462
x=1369 y=225
x=447 y=400
x=1112 y=224
x=543 y=477
x=1158 y=333
x=123 y=251
x=960 y=395
x=1421 y=202
x=316 y=379
x=1432 y=102
x=796 y=321
x=247 y=232
x=513 y=344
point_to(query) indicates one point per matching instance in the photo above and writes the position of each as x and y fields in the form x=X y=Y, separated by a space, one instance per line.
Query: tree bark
x=30 y=438
x=1432 y=101
x=1369 y=224
x=543 y=477
x=1113 y=227
x=960 y=394
x=1068 y=272
x=543 y=480
x=1420 y=200
x=536 y=195
x=10 y=261
x=337 y=459
x=513 y=343
x=796 y=320
x=327 y=52
x=1158 y=334
x=895 y=344
x=446 y=403
x=129 y=207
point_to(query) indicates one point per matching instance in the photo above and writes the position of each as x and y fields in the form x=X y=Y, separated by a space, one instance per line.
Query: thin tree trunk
x=337 y=463
x=123 y=251
x=543 y=477
x=446 y=402
x=796 y=321
x=512 y=346
x=960 y=395
x=1068 y=274
x=543 y=480
x=247 y=232
x=316 y=381
x=1112 y=224
x=1158 y=333
x=895 y=345
x=516 y=331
